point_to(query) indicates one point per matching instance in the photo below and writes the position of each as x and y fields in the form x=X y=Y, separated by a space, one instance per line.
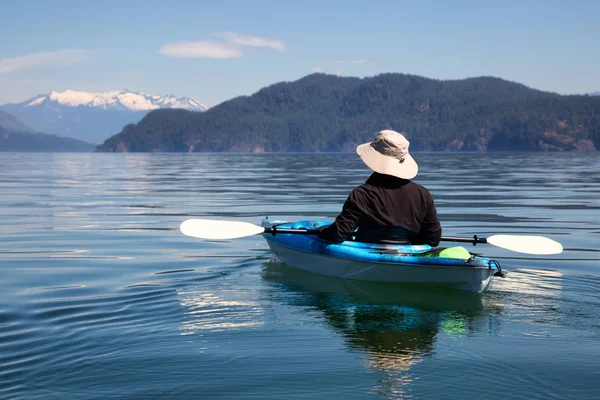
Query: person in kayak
x=388 y=207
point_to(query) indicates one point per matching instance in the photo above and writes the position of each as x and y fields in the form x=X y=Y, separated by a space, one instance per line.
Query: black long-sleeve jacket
x=386 y=208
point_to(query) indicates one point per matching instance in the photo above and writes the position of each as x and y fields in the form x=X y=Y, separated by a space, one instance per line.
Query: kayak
x=453 y=267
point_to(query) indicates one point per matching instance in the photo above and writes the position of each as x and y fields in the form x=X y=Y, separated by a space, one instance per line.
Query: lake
x=101 y=296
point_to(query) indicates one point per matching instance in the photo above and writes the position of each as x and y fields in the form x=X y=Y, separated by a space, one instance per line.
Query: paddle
x=222 y=230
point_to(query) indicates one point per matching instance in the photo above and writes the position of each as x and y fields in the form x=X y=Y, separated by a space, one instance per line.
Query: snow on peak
x=37 y=101
x=120 y=99
x=72 y=98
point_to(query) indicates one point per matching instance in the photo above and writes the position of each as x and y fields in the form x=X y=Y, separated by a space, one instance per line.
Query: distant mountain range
x=10 y=123
x=16 y=136
x=92 y=117
x=330 y=113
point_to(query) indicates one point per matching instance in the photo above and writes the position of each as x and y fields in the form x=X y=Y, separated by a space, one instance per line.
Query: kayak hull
x=379 y=263
x=472 y=279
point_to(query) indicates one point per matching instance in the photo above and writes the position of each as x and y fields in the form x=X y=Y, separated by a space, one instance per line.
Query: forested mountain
x=330 y=113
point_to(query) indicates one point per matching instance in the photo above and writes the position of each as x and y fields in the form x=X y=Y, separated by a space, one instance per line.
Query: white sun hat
x=388 y=154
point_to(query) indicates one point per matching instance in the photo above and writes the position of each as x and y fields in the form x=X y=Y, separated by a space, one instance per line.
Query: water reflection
x=395 y=326
x=534 y=282
x=210 y=311
x=535 y=298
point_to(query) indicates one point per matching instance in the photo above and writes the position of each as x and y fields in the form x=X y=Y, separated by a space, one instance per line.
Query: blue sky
x=217 y=50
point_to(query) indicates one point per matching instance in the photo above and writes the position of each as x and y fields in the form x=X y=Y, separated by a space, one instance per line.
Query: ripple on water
x=102 y=297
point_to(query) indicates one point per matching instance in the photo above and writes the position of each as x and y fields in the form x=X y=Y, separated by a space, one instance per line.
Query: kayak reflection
x=395 y=326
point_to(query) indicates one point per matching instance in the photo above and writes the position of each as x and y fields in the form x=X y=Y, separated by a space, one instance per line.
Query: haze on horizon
x=214 y=52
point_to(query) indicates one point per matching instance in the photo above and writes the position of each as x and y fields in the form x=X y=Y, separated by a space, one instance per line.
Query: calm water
x=101 y=297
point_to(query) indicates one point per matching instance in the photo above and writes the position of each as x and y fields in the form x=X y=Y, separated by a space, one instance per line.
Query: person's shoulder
x=361 y=189
x=367 y=185
x=417 y=185
x=420 y=188
x=361 y=192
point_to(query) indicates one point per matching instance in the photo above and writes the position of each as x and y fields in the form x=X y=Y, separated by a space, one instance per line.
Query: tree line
x=326 y=113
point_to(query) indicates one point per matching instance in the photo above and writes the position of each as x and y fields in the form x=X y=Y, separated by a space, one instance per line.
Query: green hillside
x=330 y=113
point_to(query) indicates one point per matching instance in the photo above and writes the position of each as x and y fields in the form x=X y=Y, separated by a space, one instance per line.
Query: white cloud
x=200 y=49
x=317 y=69
x=59 y=58
x=252 y=41
x=230 y=46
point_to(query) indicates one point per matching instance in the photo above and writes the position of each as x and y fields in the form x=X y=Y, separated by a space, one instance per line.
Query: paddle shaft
x=275 y=230
x=474 y=240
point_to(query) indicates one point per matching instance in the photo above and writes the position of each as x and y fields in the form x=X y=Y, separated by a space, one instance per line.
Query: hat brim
x=387 y=165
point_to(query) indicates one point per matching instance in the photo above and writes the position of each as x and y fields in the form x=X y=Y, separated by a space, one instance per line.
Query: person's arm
x=431 y=230
x=345 y=223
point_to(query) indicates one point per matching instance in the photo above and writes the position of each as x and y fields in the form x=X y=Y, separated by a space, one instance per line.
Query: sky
x=216 y=50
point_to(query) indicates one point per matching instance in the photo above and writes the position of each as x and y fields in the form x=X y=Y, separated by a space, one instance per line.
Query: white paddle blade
x=526 y=244
x=213 y=229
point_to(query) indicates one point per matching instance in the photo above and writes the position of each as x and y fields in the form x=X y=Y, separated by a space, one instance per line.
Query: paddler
x=388 y=207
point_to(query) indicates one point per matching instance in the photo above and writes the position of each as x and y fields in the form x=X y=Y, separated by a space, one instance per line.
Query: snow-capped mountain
x=92 y=117
x=117 y=99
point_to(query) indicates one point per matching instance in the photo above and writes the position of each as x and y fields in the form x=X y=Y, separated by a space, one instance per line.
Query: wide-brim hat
x=388 y=154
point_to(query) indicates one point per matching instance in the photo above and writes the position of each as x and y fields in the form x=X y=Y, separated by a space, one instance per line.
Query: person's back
x=389 y=207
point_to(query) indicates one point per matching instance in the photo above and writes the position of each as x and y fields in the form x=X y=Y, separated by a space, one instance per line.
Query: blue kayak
x=415 y=264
